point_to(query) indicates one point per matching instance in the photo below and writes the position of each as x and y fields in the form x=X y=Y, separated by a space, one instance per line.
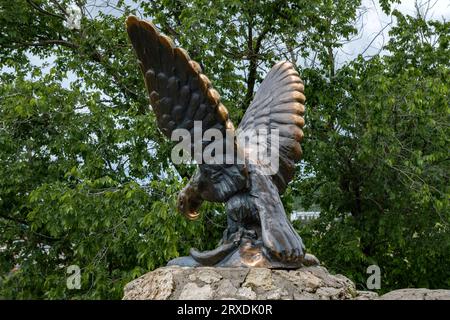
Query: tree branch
x=38 y=8
x=44 y=43
x=60 y=7
x=17 y=220
x=253 y=57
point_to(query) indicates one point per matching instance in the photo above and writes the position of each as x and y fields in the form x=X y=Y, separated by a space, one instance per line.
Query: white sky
x=374 y=20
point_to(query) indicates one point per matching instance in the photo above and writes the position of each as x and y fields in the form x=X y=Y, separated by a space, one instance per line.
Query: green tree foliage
x=86 y=177
x=378 y=162
x=70 y=194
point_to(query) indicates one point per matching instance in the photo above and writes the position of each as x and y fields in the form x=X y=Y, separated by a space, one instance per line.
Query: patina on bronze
x=258 y=232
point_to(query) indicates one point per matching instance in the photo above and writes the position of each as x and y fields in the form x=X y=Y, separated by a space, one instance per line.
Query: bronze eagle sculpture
x=258 y=232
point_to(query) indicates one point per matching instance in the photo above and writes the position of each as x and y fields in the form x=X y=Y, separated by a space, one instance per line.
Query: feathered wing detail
x=179 y=92
x=279 y=104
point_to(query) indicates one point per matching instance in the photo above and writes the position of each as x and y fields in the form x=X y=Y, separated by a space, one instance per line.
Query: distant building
x=304 y=215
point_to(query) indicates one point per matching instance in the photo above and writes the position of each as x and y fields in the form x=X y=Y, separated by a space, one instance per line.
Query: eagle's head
x=214 y=183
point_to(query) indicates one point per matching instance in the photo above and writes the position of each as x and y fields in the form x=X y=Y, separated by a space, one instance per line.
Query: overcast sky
x=374 y=21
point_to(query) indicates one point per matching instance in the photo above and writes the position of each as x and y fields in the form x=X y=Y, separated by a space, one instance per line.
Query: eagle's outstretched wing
x=179 y=92
x=279 y=104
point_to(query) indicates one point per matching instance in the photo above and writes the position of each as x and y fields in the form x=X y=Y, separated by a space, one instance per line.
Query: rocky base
x=417 y=294
x=206 y=283
x=240 y=283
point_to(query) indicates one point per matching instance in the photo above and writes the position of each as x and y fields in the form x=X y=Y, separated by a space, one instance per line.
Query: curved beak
x=192 y=215
x=188 y=203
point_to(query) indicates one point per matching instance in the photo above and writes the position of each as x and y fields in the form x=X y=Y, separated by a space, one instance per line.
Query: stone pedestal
x=205 y=283
x=417 y=294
